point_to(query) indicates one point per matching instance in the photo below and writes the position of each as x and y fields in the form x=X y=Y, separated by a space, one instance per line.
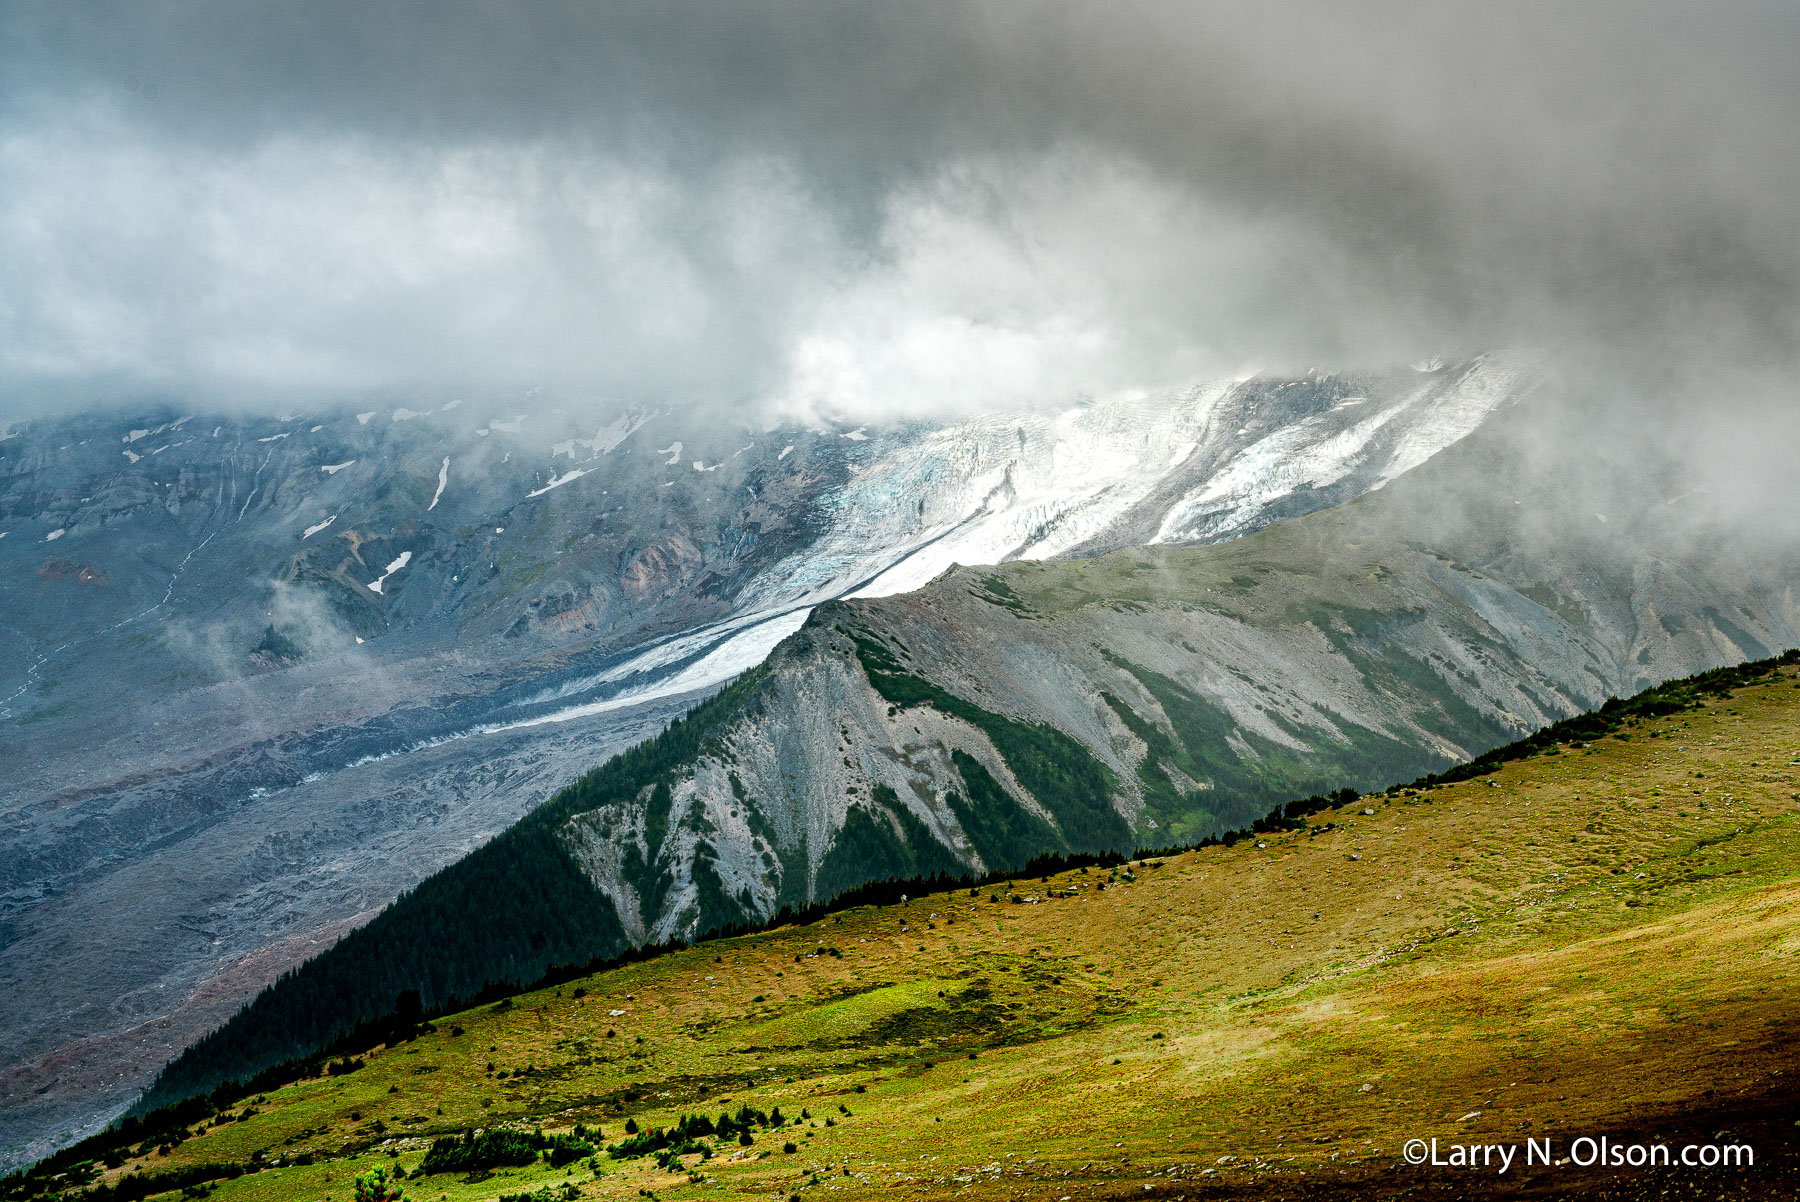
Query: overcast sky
x=872 y=210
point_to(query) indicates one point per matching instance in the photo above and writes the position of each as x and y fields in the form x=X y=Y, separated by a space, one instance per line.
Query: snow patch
x=399 y=562
x=606 y=437
x=55 y=534
x=857 y=435
x=785 y=451
x=700 y=466
x=443 y=479
x=403 y=414
x=332 y=469
x=624 y=427
x=312 y=530
x=276 y=437
x=510 y=426
x=673 y=451
x=557 y=482
x=449 y=405
x=131 y=456
x=362 y=419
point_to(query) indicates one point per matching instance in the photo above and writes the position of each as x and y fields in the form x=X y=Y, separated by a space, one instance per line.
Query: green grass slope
x=1597 y=935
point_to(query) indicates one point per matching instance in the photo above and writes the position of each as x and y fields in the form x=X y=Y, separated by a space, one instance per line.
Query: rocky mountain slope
x=1145 y=697
x=266 y=673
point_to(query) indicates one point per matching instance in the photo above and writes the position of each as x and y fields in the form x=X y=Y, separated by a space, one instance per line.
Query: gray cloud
x=880 y=210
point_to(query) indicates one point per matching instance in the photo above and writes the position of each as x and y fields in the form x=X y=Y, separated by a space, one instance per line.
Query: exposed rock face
x=660 y=570
x=65 y=569
x=1204 y=686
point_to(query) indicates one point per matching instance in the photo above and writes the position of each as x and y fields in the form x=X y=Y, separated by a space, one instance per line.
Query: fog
x=871 y=212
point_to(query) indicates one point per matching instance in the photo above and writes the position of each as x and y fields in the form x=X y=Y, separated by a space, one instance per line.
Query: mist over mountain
x=809 y=208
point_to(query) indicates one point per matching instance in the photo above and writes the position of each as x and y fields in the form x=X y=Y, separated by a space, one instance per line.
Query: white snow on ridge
x=55 y=534
x=332 y=469
x=399 y=562
x=998 y=487
x=312 y=530
x=1395 y=436
x=1447 y=417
